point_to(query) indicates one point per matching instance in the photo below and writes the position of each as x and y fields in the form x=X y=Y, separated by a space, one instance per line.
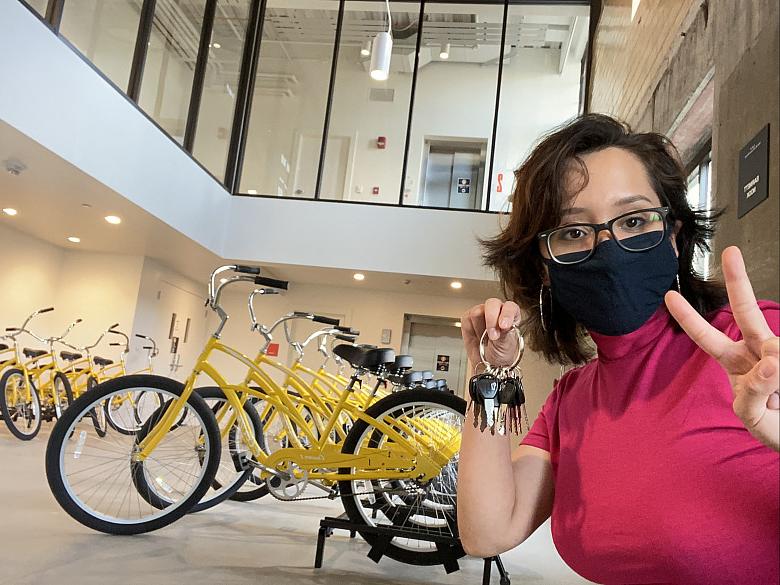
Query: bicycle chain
x=331 y=497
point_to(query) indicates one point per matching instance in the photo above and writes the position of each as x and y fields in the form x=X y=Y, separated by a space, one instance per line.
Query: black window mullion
x=199 y=76
x=141 y=47
x=331 y=89
x=246 y=85
x=54 y=14
x=498 y=102
x=411 y=101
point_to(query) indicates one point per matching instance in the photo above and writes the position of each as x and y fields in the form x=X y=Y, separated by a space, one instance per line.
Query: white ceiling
x=50 y=192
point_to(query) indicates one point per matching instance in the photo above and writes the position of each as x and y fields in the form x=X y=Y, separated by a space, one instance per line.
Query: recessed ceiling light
x=113 y=219
x=10 y=211
x=74 y=239
x=457 y=323
x=252 y=191
x=216 y=45
x=456 y=285
x=359 y=276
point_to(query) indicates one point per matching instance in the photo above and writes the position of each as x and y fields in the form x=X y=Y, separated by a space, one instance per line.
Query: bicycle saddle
x=441 y=384
x=401 y=362
x=412 y=378
x=102 y=361
x=361 y=357
x=430 y=385
x=33 y=353
x=3 y=347
x=427 y=375
x=69 y=356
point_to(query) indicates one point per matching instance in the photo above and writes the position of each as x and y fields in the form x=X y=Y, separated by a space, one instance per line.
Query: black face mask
x=615 y=291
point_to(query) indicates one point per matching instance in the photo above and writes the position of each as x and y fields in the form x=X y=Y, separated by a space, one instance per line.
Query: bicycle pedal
x=242 y=461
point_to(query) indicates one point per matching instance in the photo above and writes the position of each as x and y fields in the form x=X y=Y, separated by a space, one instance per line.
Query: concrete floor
x=262 y=542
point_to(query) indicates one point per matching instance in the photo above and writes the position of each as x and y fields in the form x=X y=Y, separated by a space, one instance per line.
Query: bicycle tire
x=64 y=429
x=220 y=492
x=66 y=386
x=97 y=414
x=357 y=435
x=10 y=417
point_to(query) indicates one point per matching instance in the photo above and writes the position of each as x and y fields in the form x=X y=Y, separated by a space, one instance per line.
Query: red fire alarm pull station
x=381 y=142
x=273 y=350
x=375 y=190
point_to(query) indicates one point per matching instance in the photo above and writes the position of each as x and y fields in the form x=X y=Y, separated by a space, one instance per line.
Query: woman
x=658 y=459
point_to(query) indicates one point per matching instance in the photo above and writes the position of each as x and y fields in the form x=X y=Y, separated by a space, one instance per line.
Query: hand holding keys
x=497 y=393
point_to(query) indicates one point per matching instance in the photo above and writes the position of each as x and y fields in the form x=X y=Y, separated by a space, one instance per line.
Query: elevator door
x=453 y=177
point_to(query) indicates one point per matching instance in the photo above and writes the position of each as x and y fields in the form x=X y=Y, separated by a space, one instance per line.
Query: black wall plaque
x=753 y=172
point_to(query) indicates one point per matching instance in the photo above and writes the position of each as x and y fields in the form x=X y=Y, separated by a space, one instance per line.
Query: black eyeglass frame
x=607 y=225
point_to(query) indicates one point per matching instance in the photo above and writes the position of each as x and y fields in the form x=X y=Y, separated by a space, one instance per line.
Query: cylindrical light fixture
x=445 y=51
x=365 y=50
x=381 y=51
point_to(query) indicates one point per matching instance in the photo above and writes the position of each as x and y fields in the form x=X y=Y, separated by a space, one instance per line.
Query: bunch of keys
x=497 y=393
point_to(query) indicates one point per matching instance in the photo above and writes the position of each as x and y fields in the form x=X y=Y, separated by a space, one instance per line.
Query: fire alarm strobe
x=381 y=142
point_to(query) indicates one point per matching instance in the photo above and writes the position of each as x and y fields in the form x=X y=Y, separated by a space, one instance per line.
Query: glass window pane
x=38 y=5
x=540 y=84
x=104 y=31
x=219 y=89
x=357 y=166
x=454 y=103
x=288 y=104
x=170 y=64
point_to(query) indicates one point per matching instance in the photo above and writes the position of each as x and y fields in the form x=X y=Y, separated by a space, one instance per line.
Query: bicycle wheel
x=425 y=418
x=63 y=393
x=230 y=473
x=94 y=477
x=127 y=414
x=20 y=404
x=98 y=413
x=271 y=439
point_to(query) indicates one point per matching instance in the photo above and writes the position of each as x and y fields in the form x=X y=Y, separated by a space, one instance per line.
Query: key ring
x=520 y=349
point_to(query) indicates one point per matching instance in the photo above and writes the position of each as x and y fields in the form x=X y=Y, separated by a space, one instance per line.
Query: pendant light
x=444 y=53
x=381 y=50
x=365 y=50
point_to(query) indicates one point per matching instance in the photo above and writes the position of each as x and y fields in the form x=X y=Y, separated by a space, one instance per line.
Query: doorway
x=453 y=173
x=435 y=344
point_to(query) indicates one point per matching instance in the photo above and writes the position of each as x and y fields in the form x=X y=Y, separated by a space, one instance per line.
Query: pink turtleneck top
x=656 y=479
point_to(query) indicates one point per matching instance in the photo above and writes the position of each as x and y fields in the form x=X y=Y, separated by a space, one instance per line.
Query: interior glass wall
x=170 y=64
x=218 y=102
x=454 y=104
x=540 y=84
x=367 y=130
x=105 y=32
x=288 y=104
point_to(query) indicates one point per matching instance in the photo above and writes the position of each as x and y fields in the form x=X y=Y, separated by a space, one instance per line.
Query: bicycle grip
x=325 y=320
x=114 y=343
x=141 y=336
x=244 y=269
x=271 y=282
x=114 y=325
x=46 y=310
x=12 y=329
x=344 y=337
x=147 y=347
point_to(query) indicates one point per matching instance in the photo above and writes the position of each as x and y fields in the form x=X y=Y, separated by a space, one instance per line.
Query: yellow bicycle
x=33 y=387
x=395 y=466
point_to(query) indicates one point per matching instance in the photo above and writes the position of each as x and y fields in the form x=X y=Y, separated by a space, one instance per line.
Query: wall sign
x=387 y=335
x=464 y=185
x=753 y=172
x=442 y=363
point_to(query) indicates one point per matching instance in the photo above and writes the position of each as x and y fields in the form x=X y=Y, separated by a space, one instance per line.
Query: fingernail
x=766 y=370
x=493 y=334
x=505 y=323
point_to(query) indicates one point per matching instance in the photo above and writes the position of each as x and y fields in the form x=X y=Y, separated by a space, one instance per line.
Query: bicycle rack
x=445 y=544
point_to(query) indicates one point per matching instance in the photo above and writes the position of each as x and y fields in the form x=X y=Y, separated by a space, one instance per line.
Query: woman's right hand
x=498 y=317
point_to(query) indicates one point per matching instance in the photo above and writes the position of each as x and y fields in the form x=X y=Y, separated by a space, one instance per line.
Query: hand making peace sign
x=752 y=362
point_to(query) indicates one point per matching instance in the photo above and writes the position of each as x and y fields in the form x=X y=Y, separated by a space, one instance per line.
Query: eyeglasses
x=635 y=231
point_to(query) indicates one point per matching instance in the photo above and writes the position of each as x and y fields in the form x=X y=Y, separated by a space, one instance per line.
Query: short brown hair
x=538 y=200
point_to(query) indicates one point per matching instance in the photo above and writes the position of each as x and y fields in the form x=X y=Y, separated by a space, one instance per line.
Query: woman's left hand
x=752 y=362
